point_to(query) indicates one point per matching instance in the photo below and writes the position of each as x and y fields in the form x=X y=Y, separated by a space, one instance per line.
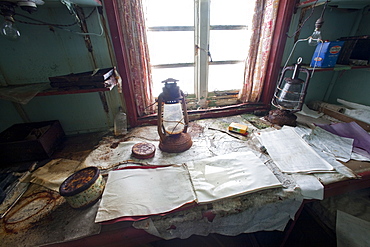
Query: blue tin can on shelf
x=326 y=54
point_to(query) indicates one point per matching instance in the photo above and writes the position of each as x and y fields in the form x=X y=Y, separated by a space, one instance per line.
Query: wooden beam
x=344 y=118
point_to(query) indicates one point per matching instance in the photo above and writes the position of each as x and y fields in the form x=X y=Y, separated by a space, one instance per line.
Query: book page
x=145 y=191
x=291 y=153
x=340 y=147
x=230 y=175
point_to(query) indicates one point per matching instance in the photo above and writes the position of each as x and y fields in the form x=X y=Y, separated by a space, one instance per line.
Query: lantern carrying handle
x=160 y=127
x=296 y=69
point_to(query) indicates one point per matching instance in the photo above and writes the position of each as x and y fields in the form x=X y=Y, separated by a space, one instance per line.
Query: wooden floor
x=307 y=232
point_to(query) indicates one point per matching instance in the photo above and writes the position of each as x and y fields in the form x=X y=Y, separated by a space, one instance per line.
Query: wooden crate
x=30 y=141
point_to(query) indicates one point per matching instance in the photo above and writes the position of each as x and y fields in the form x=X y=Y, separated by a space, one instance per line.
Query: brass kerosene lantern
x=173 y=119
x=289 y=96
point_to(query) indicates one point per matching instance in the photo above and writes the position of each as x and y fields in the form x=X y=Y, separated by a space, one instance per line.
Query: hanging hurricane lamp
x=173 y=119
x=289 y=96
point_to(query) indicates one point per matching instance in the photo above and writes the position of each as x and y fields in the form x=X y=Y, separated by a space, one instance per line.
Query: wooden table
x=123 y=233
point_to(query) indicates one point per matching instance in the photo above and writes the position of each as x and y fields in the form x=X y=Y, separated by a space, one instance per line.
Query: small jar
x=120 y=123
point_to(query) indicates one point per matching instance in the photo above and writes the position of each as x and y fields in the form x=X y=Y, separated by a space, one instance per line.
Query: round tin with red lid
x=143 y=150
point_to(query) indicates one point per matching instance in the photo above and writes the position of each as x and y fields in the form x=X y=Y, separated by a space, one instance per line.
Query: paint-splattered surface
x=42 y=216
x=53 y=220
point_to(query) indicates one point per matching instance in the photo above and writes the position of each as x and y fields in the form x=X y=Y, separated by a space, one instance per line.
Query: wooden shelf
x=24 y=93
x=82 y=3
x=57 y=91
x=337 y=67
x=309 y=3
x=346 y=4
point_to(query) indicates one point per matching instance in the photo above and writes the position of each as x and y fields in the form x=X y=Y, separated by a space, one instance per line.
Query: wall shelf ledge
x=59 y=91
x=337 y=67
x=24 y=93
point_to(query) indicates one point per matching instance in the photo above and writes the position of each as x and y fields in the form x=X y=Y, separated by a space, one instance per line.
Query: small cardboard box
x=326 y=54
x=238 y=128
x=30 y=141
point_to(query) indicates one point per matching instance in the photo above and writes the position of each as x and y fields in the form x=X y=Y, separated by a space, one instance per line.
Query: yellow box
x=238 y=128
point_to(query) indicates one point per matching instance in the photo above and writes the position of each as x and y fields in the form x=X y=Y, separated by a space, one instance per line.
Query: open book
x=142 y=191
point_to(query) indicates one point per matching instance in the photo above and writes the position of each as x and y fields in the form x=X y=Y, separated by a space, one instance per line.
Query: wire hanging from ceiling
x=61 y=26
x=304 y=22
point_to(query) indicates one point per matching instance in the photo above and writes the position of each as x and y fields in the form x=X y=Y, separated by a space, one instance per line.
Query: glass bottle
x=120 y=123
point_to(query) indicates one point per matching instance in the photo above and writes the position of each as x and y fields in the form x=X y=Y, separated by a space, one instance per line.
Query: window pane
x=169 y=13
x=171 y=47
x=225 y=77
x=231 y=12
x=184 y=75
x=229 y=44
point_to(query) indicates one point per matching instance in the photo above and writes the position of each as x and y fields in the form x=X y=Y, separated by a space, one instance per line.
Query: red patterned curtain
x=139 y=72
x=257 y=61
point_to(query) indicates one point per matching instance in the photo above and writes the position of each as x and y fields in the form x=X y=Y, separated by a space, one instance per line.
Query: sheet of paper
x=340 y=147
x=53 y=174
x=230 y=175
x=308 y=112
x=353 y=105
x=310 y=186
x=358 y=111
x=141 y=192
x=291 y=153
x=303 y=132
x=359 y=157
x=352 y=231
x=105 y=157
x=351 y=130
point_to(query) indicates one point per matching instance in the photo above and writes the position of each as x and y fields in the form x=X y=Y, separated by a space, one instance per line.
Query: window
x=261 y=69
x=202 y=43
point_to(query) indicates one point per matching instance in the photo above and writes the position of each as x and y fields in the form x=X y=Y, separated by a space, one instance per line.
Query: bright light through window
x=172 y=42
x=184 y=75
x=169 y=12
x=171 y=47
x=225 y=77
x=231 y=12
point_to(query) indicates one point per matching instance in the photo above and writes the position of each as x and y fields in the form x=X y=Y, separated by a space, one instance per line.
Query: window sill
x=255 y=108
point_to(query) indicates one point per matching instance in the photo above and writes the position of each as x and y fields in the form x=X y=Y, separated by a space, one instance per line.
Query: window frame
x=285 y=11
